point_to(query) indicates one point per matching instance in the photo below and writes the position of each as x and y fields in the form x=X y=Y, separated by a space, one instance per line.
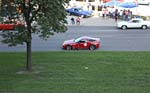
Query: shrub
x=143 y=17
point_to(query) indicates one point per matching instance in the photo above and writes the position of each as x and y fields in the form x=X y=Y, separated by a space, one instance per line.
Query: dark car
x=83 y=42
x=79 y=12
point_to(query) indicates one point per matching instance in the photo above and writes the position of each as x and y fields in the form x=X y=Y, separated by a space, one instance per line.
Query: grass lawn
x=76 y=72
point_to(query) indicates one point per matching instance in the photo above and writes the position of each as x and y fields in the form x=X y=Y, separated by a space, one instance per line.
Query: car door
x=82 y=44
x=134 y=24
x=76 y=12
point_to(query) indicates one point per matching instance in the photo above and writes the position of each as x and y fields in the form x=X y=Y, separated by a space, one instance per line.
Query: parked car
x=143 y=2
x=10 y=25
x=83 y=42
x=7 y=26
x=79 y=12
x=134 y=23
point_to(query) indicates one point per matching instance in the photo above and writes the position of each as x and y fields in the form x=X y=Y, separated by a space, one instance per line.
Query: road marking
x=104 y=30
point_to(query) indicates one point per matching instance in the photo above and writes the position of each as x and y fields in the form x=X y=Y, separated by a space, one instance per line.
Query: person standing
x=126 y=15
x=72 y=21
x=104 y=12
x=78 y=20
x=116 y=15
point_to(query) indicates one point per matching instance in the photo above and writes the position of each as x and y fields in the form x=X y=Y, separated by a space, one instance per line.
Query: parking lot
x=94 y=21
x=142 y=10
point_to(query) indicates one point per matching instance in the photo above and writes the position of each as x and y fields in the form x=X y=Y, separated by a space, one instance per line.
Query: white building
x=86 y=4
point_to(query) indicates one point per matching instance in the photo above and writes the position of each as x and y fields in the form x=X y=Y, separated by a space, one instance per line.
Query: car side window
x=133 y=21
x=138 y=21
x=91 y=40
x=76 y=10
x=82 y=41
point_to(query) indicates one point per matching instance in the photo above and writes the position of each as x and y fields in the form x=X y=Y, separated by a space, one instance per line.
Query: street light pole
x=96 y=8
x=114 y=4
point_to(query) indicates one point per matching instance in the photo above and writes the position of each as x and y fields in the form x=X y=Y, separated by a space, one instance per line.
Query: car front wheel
x=92 y=47
x=68 y=47
x=124 y=27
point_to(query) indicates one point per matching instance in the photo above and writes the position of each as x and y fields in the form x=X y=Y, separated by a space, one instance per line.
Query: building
x=89 y=4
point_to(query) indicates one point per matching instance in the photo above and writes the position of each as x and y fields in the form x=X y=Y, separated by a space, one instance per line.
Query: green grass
x=64 y=72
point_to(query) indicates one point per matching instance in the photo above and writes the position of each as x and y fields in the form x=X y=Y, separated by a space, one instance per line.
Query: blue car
x=79 y=12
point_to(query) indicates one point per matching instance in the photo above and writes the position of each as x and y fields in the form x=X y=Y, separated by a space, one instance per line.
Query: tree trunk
x=29 y=56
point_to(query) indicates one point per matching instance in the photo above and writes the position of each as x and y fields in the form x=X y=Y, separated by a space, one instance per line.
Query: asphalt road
x=112 y=39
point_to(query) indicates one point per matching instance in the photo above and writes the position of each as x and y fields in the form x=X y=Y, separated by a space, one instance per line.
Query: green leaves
x=49 y=15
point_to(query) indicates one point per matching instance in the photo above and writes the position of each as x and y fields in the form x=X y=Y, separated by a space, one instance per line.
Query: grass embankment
x=76 y=72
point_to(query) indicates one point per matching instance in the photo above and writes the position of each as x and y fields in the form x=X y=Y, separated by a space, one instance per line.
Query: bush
x=143 y=17
x=1 y=19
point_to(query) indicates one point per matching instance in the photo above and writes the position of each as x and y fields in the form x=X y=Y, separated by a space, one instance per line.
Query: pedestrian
x=126 y=15
x=129 y=15
x=78 y=20
x=72 y=21
x=104 y=12
x=116 y=15
x=121 y=14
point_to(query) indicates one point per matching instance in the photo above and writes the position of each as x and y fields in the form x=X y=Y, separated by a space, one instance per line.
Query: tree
x=49 y=16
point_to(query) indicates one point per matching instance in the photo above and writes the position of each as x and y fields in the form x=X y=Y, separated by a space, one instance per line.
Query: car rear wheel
x=124 y=27
x=68 y=47
x=69 y=13
x=92 y=47
x=144 y=27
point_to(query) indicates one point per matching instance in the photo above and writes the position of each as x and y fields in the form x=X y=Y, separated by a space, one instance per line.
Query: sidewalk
x=94 y=21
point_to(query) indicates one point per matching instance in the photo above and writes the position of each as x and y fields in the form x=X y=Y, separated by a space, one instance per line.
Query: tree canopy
x=48 y=14
x=42 y=17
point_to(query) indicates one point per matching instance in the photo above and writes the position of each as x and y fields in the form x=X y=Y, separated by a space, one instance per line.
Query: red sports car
x=83 y=42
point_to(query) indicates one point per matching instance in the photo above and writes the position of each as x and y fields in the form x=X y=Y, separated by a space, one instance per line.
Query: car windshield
x=130 y=21
x=77 y=40
x=80 y=10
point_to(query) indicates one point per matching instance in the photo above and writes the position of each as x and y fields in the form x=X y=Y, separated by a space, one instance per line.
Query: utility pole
x=96 y=7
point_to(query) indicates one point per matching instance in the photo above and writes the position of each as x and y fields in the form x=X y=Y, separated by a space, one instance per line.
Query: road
x=112 y=39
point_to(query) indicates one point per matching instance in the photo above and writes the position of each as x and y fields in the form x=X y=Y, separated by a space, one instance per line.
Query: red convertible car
x=83 y=42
